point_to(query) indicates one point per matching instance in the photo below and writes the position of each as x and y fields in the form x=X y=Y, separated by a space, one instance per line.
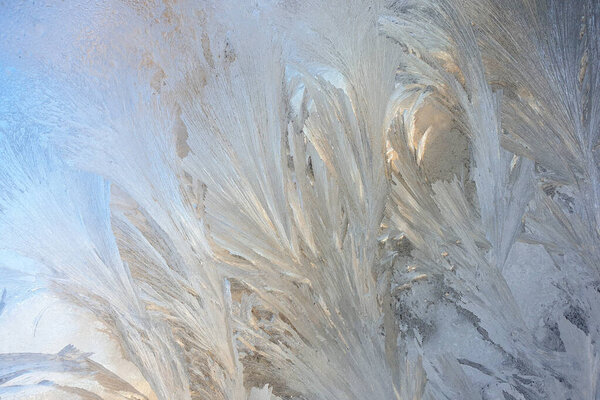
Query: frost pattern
x=311 y=200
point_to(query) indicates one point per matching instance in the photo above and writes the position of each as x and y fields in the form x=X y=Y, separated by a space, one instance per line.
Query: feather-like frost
x=252 y=199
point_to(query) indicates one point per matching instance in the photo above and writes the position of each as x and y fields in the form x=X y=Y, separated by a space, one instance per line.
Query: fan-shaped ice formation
x=334 y=199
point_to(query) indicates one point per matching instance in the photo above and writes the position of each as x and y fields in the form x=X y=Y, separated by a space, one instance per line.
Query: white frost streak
x=314 y=200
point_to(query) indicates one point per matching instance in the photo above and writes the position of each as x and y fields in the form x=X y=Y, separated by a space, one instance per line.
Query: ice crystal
x=264 y=200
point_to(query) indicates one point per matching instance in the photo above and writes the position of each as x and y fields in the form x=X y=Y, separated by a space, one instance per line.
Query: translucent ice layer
x=332 y=200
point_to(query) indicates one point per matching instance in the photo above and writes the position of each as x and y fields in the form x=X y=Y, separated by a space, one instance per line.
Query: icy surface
x=268 y=200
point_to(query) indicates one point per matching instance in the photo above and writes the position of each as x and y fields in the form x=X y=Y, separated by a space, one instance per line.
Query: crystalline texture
x=334 y=199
